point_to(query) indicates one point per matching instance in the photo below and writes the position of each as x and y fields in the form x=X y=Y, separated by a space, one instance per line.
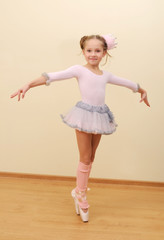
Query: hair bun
x=110 y=40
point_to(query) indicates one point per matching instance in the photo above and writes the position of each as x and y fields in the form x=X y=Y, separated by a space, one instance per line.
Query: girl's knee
x=86 y=159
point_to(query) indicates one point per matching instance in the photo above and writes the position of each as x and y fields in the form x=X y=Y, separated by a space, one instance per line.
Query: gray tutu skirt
x=91 y=119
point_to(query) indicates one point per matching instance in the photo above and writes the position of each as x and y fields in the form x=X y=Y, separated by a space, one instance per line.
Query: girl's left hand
x=144 y=96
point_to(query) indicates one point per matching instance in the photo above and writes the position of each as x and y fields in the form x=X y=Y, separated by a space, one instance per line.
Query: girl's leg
x=95 y=142
x=84 y=142
x=87 y=144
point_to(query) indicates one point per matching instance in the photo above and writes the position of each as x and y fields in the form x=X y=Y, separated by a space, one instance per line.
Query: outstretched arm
x=46 y=79
x=22 y=91
x=129 y=84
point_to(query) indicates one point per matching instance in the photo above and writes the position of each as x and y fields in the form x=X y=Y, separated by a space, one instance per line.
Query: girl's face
x=93 y=52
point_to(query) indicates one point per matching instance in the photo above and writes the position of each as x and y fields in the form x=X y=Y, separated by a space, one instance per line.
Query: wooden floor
x=35 y=209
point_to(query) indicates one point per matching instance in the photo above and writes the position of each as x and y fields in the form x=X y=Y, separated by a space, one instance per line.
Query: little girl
x=90 y=117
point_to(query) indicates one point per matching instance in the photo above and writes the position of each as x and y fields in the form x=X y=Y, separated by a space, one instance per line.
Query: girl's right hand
x=21 y=92
x=144 y=96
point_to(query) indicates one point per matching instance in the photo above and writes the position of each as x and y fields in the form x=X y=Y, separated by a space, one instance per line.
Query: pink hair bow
x=110 y=40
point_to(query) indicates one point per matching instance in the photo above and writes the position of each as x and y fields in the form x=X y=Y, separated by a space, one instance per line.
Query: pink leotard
x=91 y=85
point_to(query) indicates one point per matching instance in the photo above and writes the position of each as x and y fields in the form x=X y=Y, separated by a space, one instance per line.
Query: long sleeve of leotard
x=70 y=72
x=123 y=82
x=91 y=85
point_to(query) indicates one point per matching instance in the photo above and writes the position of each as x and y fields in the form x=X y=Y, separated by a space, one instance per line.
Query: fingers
x=23 y=93
x=14 y=94
x=147 y=103
x=144 y=98
x=19 y=93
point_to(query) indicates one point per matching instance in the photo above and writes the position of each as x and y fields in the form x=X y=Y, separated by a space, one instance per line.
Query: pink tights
x=83 y=172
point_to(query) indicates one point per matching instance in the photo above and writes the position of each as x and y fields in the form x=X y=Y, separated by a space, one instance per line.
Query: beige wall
x=43 y=36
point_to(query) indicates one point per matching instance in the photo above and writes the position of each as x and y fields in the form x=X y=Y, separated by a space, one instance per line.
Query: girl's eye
x=90 y=50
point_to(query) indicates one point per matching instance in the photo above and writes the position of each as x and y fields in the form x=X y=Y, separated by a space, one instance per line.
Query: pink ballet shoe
x=84 y=215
